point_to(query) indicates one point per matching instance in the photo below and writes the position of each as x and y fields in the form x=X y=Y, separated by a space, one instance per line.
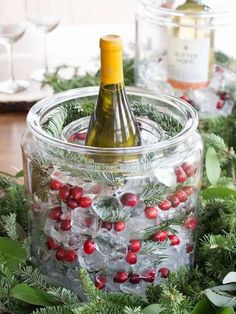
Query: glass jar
x=190 y=55
x=128 y=222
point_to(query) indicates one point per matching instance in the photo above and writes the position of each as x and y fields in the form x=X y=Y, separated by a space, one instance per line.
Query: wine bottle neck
x=111 y=67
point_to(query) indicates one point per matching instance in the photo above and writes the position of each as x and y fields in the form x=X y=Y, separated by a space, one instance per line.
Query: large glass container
x=129 y=221
x=188 y=53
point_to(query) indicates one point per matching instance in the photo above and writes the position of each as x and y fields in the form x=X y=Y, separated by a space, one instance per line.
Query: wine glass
x=44 y=16
x=12 y=28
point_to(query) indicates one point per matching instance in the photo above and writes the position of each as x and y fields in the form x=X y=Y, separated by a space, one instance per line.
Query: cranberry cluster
x=223 y=97
x=123 y=276
x=73 y=197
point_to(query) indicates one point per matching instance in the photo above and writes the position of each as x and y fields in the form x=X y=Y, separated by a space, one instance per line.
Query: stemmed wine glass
x=44 y=16
x=12 y=28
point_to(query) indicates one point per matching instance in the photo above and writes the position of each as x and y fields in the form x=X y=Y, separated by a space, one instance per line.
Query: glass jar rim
x=217 y=18
x=44 y=106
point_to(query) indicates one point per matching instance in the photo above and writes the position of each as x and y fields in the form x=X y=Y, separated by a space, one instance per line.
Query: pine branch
x=128 y=310
x=55 y=122
x=110 y=210
x=32 y=276
x=14 y=200
x=54 y=310
x=9 y=225
x=154 y=193
x=91 y=291
x=64 y=295
x=151 y=247
x=153 y=293
x=98 y=307
x=170 y=125
x=215 y=141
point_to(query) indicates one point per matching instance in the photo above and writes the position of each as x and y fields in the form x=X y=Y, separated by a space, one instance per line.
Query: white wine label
x=188 y=62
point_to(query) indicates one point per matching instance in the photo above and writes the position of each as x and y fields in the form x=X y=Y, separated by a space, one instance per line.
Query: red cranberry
x=180 y=175
x=131 y=258
x=89 y=247
x=135 y=246
x=55 y=213
x=88 y=221
x=81 y=136
x=181 y=195
x=120 y=277
x=64 y=193
x=165 y=205
x=187 y=99
x=76 y=193
x=188 y=190
x=100 y=282
x=107 y=225
x=189 y=169
x=70 y=256
x=149 y=275
x=72 y=203
x=151 y=212
x=55 y=184
x=66 y=225
x=160 y=236
x=219 y=69
x=174 y=200
x=224 y=95
x=135 y=279
x=129 y=199
x=174 y=240
x=85 y=202
x=164 y=272
x=60 y=254
x=190 y=223
x=189 y=248
x=119 y=226
x=52 y=245
x=220 y=104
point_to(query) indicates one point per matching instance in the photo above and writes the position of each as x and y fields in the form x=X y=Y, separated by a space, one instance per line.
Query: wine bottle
x=190 y=50
x=112 y=123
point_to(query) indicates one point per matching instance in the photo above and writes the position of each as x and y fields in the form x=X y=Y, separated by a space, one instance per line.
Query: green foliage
x=88 y=79
x=212 y=166
x=12 y=253
x=31 y=295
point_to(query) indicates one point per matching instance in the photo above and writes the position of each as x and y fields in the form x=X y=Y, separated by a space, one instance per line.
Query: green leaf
x=230 y=277
x=204 y=306
x=226 y=310
x=31 y=295
x=153 y=309
x=19 y=174
x=12 y=252
x=218 y=192
x=220 y=300
x=212 y=166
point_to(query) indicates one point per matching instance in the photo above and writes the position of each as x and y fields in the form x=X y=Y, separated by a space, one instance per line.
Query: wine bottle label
x=188 y=62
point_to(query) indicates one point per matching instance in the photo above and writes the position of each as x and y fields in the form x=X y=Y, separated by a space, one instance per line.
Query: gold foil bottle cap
x=111 y=42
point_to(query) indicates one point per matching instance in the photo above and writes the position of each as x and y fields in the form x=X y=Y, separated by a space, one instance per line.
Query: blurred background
x=75 y=39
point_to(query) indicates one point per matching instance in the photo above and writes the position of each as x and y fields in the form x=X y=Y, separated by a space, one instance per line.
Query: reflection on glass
x=44 y=16
x=12 y=28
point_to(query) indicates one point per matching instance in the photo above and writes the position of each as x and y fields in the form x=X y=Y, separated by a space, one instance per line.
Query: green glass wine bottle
x=191 y=47
x=112 y=123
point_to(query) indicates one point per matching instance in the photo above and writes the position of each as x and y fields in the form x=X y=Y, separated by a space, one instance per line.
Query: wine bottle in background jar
x=190 y=47
x=112 y=123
